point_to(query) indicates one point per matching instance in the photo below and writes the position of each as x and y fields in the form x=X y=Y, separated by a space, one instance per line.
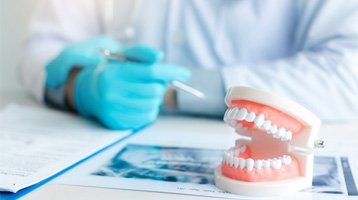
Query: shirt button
x=129 y=32
x=178 y=37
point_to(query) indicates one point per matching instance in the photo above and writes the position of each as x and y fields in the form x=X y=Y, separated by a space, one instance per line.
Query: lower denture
x=259 y=175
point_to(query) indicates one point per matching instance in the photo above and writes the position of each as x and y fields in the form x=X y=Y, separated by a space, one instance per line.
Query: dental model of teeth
x=265 y=162
x=242 y=114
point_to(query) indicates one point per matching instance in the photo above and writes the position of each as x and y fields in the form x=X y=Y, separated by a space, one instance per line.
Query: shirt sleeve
x=211 y=83
x=323 y=74
x=55 y=24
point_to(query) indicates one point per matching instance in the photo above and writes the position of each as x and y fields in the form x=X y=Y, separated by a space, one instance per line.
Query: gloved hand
x=126 y=95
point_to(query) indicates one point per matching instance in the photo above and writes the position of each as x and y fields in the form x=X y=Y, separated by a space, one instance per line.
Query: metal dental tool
x=318 y=144
x=177 y=84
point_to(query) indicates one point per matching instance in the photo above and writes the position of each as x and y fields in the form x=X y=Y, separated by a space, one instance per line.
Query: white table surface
x=340 y=139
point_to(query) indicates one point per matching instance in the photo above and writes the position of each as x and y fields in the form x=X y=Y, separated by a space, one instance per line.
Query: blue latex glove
x=126 y=95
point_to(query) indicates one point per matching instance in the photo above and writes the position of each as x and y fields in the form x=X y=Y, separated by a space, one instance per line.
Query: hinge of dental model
x=319 y=144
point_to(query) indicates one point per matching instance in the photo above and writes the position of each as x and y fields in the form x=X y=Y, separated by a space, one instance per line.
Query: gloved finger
x=87 y=53
x=90 y=47
x=155 y=73
x=115 y=120
x=144 y=53
x=79 y=59
x=170 y=72
x=58 y=68
x=131 y=105
x=138 y=90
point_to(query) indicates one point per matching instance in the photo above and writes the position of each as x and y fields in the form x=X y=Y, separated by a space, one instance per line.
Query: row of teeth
x=250 y=164
x=240 y=114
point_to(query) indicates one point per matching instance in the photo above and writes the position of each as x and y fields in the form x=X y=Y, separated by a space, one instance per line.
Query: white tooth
x=281 y=132
x=284 y=138
x=239 y=150
x=258 y=164
x=273 y=129
x=250 y=117
x=242 y=114
x=231 y=160
x=226 y=158
x=229 y=113
x=275 y=135
x=276 y=164
x=241 y=163
x=267 y=125
x=289 y=135
x=238 y=126
x=226 y=115
x=289 y=159
x=282 y=160
x=249 y=164
x=229 y=156
x=240 y=143
x=259 y=121
x=286 y=159
x=241 y=129
x=232 y=123
x=271 y=161
x=236 y=162
x=266 y=164
x=234 y=112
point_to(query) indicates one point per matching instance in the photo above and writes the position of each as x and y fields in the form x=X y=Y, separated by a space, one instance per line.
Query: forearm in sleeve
x=323 y=73
x=49 y=32
x=211 y=83
x=323 y=82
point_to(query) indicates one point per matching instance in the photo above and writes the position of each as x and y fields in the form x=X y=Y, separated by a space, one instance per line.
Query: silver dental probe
x=177 y=84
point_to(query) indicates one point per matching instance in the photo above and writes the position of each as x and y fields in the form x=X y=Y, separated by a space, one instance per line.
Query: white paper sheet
x=179 y=157
x=36 y=143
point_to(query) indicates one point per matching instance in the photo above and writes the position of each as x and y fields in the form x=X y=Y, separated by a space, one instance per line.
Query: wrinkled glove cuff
x=56 y=97
x=79 y=100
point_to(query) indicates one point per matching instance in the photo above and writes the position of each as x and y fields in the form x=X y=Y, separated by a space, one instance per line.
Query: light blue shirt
x=304 y=50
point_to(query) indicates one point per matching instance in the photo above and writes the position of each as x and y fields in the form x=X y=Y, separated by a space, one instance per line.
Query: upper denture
x=244 y=114
x=278 y=118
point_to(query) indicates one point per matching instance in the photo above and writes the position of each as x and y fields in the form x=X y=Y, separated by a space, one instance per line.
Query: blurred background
x=14 y=18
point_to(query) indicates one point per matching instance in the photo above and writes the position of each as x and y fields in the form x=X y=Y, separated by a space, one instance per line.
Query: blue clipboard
x=23 y=192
